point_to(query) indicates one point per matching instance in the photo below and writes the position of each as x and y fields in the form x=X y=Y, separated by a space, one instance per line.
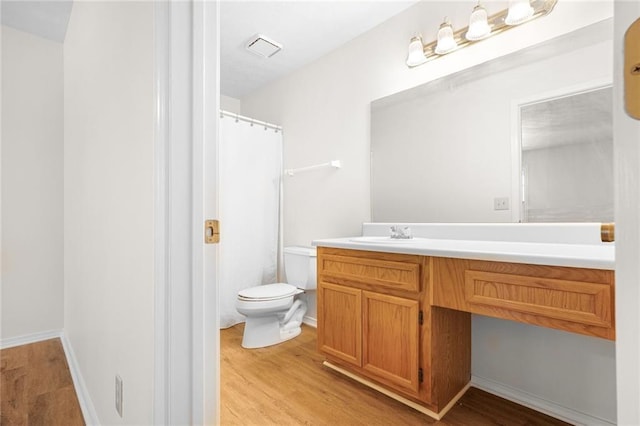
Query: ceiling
x=579 y=118
x=306 y=29
x=46 y=19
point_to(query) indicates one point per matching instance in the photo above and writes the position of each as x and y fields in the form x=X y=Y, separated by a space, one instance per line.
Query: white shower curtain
x=250 y=173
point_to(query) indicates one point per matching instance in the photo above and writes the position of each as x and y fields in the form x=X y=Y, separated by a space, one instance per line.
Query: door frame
x=186 y=342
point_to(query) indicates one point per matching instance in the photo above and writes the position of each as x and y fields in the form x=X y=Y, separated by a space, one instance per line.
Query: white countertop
x=595 y=256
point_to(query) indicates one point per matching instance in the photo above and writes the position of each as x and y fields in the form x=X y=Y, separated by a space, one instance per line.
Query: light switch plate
x=501 y=203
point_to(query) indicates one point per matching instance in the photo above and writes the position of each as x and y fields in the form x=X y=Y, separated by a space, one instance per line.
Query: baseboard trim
x=311 y=322
x=11 y=342
x=536 y=403
x=86 y=405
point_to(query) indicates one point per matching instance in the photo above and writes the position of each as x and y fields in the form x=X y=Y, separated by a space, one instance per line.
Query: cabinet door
x=340 y=322
x=390 y=340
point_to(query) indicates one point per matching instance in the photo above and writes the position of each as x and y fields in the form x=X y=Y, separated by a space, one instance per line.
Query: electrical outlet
x=501 y=203
x=119 y=395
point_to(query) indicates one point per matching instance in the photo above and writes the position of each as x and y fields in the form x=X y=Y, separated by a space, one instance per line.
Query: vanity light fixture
x=478 y=24
x=520 y=11
x=416 y=54
x=480 y=27
x=446 y=43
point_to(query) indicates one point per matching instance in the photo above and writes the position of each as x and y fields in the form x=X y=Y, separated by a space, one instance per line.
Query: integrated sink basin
x=386 y=240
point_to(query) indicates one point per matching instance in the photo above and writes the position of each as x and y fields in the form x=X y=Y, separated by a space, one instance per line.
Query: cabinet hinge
x=420 y=375
x=420 y=318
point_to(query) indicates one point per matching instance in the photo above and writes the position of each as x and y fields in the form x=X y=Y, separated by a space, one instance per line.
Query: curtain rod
x=252 y=121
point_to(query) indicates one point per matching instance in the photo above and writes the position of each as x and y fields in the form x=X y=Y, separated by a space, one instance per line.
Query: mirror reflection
x=567 y=158
x=450 y=150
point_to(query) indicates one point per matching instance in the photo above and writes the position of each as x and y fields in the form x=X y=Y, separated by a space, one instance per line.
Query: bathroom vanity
x=397 y=315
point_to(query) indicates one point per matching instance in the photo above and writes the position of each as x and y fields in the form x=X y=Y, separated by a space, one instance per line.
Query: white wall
x=568 y=370
x=626 y=136
x=108 y=201
x=324 y=110
x=32 y=184
x=229 y=104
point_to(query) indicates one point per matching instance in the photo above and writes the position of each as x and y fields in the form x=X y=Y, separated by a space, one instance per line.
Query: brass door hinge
x=211 y=232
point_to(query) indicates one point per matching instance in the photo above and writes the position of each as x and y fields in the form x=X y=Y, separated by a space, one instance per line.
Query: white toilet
x=274 y=311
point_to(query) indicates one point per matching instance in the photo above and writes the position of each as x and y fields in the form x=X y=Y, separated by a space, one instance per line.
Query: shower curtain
x=250 y=164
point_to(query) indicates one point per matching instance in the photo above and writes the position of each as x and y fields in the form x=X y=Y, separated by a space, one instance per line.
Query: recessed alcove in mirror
x=566 y=158
x=444 y=151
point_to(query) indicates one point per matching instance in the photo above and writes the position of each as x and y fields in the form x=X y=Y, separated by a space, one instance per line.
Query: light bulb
x=478 y=26
x=446 y=42
x=519 y=11
x=416 y=52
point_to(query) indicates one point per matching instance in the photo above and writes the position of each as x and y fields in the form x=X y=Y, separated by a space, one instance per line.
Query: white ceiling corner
x=47 y=19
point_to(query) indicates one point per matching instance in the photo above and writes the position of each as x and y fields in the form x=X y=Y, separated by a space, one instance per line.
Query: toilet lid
x=268 y=292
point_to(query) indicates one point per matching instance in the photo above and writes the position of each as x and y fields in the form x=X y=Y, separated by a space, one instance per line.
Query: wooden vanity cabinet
x=375 y=320
x=402 y=323
x=578 y=300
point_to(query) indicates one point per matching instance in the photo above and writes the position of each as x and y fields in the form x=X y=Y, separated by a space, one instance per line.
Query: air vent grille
x=263 y=46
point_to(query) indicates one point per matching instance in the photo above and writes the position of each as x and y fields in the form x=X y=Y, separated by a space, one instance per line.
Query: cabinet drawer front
x=383 y=273
x=582 y=302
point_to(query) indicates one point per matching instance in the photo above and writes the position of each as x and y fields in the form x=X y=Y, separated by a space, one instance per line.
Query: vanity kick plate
x=632 y=70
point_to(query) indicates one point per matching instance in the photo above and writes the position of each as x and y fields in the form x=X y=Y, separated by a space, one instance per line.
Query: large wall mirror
x=526 y=137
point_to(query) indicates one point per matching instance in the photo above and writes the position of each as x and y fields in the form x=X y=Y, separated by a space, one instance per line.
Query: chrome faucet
x=400 y=232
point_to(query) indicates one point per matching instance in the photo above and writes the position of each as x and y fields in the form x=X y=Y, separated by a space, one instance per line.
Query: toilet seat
x=268 y=292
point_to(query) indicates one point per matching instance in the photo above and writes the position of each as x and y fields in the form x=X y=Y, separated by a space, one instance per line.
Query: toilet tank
x=300 y=266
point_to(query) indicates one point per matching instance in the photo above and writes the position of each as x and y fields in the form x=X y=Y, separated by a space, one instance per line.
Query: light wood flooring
x=286 y=384
x=36 y=386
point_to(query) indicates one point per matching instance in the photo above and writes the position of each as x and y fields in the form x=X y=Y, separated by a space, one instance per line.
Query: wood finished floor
x=286 y=384
x=36 y=386
x=280 y=385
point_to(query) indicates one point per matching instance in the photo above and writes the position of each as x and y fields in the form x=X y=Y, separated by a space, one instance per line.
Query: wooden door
x=390 y=339
x=340 y=322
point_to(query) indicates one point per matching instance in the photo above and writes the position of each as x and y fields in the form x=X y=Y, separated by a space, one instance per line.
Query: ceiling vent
x=263 y=46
